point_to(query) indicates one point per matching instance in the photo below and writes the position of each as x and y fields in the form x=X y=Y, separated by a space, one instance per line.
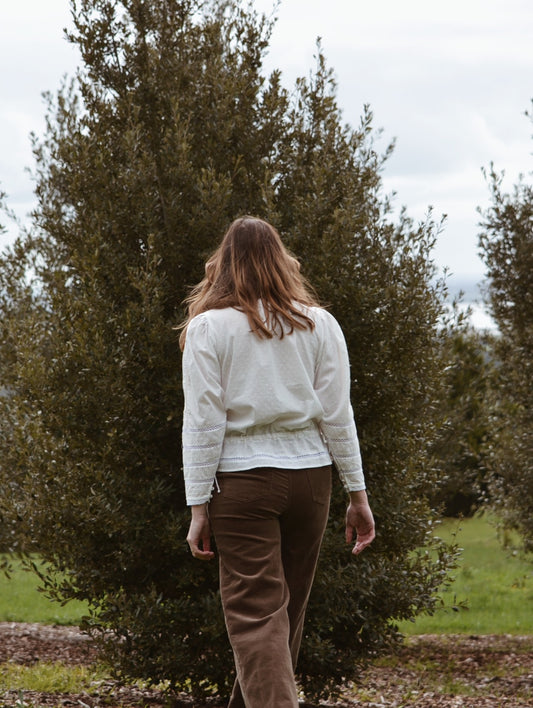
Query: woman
x=267 y=407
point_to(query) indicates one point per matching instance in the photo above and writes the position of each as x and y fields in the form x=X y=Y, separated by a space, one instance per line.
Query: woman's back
x=251 y=402
x=266 y=382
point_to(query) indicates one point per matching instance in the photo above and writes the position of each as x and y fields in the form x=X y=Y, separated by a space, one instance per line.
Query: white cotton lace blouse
x=252 y=402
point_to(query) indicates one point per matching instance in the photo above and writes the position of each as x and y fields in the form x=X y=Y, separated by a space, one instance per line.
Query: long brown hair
x=251 y=265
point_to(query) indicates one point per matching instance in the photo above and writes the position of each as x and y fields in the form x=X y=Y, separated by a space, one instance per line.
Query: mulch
x=430 y=671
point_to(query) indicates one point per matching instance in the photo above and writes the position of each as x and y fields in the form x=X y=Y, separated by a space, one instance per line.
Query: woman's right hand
x=199 y=536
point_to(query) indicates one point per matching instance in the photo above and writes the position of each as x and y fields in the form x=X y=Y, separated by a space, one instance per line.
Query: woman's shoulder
x=217 y=317
x=212 y=327
x=326 y=325
x=321 y=316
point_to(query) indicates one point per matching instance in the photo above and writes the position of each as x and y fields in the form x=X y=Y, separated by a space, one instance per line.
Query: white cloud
x=450 y=79
x=34 y=56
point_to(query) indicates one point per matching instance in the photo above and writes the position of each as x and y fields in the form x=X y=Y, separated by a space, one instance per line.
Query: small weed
x=46 y=677
x=467 y=573
x=388 y=661
x=456 y=687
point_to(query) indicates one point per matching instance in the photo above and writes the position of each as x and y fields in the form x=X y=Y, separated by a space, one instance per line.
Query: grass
x=48 y=677
x=20 y=601
x=492 y=592
x=493 y=588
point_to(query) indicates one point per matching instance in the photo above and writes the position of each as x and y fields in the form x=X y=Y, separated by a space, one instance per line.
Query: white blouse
x=252 y=402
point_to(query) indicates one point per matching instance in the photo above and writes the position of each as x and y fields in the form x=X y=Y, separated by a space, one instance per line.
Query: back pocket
x=245 y=486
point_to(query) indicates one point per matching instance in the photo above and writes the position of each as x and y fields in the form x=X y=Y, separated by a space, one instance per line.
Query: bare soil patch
x=430 y=671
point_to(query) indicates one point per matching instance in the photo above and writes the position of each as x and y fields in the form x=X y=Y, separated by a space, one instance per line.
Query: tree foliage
x=506 y=244
x=467 y=427
x=167 y=133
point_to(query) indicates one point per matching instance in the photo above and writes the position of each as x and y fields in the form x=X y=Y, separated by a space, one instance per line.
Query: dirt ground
x=430 y=671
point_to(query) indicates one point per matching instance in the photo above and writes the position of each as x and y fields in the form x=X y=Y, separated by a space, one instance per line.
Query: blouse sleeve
x=204 y=415
x=332 y=385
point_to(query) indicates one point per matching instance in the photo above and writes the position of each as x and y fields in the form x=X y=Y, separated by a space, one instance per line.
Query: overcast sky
x=450 y=80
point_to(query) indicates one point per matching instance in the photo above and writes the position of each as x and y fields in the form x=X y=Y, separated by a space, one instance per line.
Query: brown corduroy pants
x=268 y=525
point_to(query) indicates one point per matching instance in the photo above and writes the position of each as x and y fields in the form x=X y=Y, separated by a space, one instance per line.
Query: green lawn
x=493 y=588
x=20 y=601
x=492 y=591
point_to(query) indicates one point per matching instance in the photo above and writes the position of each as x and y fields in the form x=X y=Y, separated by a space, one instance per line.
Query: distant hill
x=468 y=284
x=472 y=297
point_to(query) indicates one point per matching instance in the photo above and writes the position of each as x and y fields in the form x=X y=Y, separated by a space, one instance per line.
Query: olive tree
x=506 y=244
x=467 y=429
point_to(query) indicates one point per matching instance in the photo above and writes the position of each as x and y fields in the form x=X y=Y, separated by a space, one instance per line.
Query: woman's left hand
x=359 y=522
x=199 y=536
